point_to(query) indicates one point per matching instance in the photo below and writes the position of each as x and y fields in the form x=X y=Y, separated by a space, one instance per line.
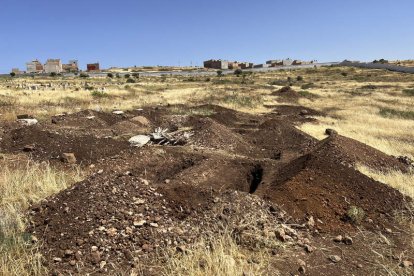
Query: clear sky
x=185 y=32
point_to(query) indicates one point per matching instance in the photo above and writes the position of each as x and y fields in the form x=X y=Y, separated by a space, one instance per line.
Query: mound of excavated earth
x=140 y=202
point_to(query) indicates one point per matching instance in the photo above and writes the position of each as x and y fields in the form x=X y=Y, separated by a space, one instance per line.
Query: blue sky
x=185 y=32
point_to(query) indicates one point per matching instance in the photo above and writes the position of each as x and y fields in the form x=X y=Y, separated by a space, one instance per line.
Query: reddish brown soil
x=287 y=94
x=188 y=191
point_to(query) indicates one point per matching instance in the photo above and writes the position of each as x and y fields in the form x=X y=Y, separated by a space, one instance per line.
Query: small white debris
x=118 y=112
x=139 y=140
x=28 y=122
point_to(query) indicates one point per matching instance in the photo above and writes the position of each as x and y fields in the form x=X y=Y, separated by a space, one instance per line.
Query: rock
x=68 y=253
x=181 y=248
x=57 y=260
x=27 y=122
x=338 y=238
x=311 y=222
x=330 y=131
x=34 y=239
x=347 y=240
x=90 y=117
x=167 y=181
x=23 y=116
x=147 y=247
x=335 y=258
x=302 y=269
x=94 y=248
x=95 y=257
x=69 y=158
x=303 y=112
x=153 y=224
x=406 y=264
x=141 y=120
x=118 y=112
x=72 y=262
x=29 y=148
x=139 y=140
x=309 y=248
x=139 y=223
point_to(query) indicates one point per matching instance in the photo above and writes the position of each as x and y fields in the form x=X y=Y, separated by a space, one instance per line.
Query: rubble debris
x=27 y=122
x=139 y=140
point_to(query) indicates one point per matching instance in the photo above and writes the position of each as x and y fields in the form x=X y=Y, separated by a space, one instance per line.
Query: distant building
x=233 y=65
x=92 y=67
x=216 y=64
x=287 y=61
x=274 y=62
x=34 y=66
x=265 y=65
x=71 y=67
x=245 y=65
x=53 y=66
x=17 y=71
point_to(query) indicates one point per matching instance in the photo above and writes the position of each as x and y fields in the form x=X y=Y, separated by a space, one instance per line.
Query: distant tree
x=110 y=75
x=238 y=72
x=84 y=75
x=344 y=74
x=130 y=80
x=117 y=75
x=12 y=74
x=53 y=74
x=299 y=78
x=135 y=75
x=219 y=73
x=127 y=76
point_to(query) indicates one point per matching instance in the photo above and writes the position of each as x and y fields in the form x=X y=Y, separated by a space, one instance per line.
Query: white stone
x=118 y=112
x=28 y=122
x=139 y=140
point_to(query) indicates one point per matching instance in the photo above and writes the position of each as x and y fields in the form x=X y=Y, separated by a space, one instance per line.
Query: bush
x=127 y=76
x=130 y=80
x=344 y=74
x=238 y=72
x=12 y=74
x=53 y=74
x=110 y=75
x=84 y=75
x=299 y=78
x=409 y=92
x=355 y=214
x=135 y=75
x=99 y=94
x=308 y=85
x=219 y=73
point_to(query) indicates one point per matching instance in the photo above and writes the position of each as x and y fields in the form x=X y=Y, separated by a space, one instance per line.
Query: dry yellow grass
x=20 y=186
x=218 y=256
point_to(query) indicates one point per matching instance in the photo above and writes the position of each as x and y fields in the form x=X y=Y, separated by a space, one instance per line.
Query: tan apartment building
x=34 y=66
x=71 y=67
x=53 y=66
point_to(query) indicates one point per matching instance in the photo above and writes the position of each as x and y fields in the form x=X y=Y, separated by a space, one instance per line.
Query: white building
x=53 y=66
x=34 y=66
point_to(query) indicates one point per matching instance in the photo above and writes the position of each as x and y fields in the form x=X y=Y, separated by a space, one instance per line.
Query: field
x=244 y=180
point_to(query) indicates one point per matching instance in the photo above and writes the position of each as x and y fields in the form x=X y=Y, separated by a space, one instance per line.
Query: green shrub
x=299 y=78
x=127 y=76
x=53 y=74
x=238 y=72
x=308 y=85
x=409 y=92
x=110 y=75
x=130 y=80
x=344 y=74
x=219 y=73
x=389 y=112
x=12 y=74
x=135 y=75
x=99 y=94
x=84 y=75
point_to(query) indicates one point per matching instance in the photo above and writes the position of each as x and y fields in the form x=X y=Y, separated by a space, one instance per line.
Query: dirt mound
x=108 y=222
x=287 y=94
x=321 y=185
x=350 y=152
x=46 y=145
x=210 y=134
x=88 y=119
